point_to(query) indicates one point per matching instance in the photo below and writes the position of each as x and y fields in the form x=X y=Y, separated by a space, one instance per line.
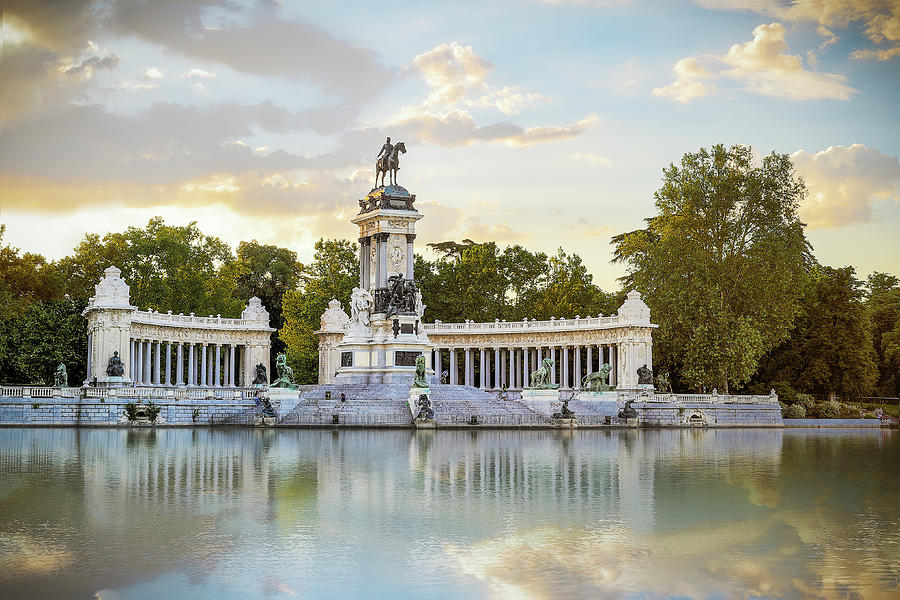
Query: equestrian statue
x=388 y=161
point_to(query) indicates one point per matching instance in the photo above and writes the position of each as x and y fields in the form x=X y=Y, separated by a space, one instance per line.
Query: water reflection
x=508 y=514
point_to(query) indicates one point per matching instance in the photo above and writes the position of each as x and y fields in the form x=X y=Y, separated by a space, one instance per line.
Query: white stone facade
x=172 y=350
x=503 y=354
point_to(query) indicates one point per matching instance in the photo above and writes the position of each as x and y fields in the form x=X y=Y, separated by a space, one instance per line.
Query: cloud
x=501 y=232
x=87 y=67
x=879 y=20
x=594 y=159
x=201 y=73
x=452 y=71
x=762 y=66
x=686 y=87
x=844 y=183
x=458 y=128
x=153 y=73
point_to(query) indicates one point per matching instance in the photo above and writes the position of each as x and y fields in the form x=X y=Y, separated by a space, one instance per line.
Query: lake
x=315 y=513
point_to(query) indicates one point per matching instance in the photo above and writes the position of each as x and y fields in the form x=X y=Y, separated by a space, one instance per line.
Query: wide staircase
x=460 y=405
x=383 y=405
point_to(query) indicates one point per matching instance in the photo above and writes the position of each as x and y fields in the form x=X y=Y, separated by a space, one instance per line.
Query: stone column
x=217 y=368
x=526 y=381
x=564 y=367
x=613 y=362
x=382 y=259
x=191 y=361
x=512 y=368
x=148 y=368
x=362 y=263
x=179 y=363
x=482 y=371
x=133 y=362
x=578 y=376
x=453 y=364
x=466 y=380
x=167 y=378
x=231 y=349
x=555 y=365
x=409 y=255
x=138 y=360
x=498 y=370
x=203 y=366
x=590 y=359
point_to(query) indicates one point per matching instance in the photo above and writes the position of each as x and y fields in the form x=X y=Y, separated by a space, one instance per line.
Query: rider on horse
x=386 y=151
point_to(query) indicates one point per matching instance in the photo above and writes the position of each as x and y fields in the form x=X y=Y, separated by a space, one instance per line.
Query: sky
x=542 y=123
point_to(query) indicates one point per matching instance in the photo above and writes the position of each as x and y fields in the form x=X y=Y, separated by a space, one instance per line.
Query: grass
x=890 y=409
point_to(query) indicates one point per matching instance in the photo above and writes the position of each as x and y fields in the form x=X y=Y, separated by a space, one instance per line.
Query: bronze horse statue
x=389 y=164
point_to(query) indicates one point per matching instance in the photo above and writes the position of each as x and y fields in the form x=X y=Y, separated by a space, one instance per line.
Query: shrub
x=153 y=411
x=786 y=393
x=35 y=405
x=795 y=411
x=195 y=415
x=827 y=410
x=806 y=401
x=131 y=411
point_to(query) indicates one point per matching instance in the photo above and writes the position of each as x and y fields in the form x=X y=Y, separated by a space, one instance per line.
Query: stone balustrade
x=162 y=392
x=151 y=317
x=578 y=323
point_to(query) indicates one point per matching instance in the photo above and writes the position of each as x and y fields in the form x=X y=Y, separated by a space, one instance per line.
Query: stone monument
x=285 y=374
x=383 y=337
x=109 y=313
x=61 y=376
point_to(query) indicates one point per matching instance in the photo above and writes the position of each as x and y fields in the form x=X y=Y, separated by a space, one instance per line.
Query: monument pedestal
x=388 y=354
x=542 y=401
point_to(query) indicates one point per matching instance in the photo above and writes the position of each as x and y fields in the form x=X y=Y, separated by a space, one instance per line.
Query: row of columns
x=203 y=365
x=495 y=368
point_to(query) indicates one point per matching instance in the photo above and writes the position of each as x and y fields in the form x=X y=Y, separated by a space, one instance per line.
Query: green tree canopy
x=884 y=306
x=167 y=267
x=829 y=350
x=720 y=262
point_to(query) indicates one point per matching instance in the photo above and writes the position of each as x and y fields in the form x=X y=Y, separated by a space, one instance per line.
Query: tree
x=267 y=272
x=884 y=306
x=333 y=273
x=167 y=267
x=829 y=349
x=570 y=291
x=720 y=262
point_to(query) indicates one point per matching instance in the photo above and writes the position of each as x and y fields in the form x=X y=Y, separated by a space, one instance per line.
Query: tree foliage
x=167 y=267
x=884 y=307
x=720 y=262
x=829 y=350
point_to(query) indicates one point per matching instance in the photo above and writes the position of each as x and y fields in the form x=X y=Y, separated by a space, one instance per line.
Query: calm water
x=503 y=514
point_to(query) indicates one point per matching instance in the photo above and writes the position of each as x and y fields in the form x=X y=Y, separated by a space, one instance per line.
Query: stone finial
x=112 y=291
x=255 y=311
x=334 y=318
x=634 y=309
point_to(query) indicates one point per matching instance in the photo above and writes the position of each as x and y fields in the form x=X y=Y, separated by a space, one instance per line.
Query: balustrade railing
x=173 y=393
x=517 y=326
x=157 y=318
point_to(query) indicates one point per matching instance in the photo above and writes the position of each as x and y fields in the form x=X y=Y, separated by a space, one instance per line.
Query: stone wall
x=657 y=414
x=97 y=411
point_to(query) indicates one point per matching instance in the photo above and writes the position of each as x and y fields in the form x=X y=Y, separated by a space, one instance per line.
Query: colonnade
x=493 y=368
x=155 y=362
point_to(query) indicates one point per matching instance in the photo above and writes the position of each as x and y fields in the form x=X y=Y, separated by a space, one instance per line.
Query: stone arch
x=696 y=418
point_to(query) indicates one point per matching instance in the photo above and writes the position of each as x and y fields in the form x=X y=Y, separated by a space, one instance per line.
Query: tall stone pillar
x=231 y=365
x=498 y=370
x=526 y=380
x=217 y=368
x=590 y=360
x=148 y=364
x=168 y=378
x=555 y=364
x=453 y=366
x=139 y=363
x=467 y=378
x=564 y=367
x=578 y=376
x=482 y=371
x=203 y=365
x=179 y=364
x=410 y=237
x=614 y=363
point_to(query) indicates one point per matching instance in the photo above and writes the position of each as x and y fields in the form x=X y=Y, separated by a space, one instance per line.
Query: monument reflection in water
x=325 y=514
